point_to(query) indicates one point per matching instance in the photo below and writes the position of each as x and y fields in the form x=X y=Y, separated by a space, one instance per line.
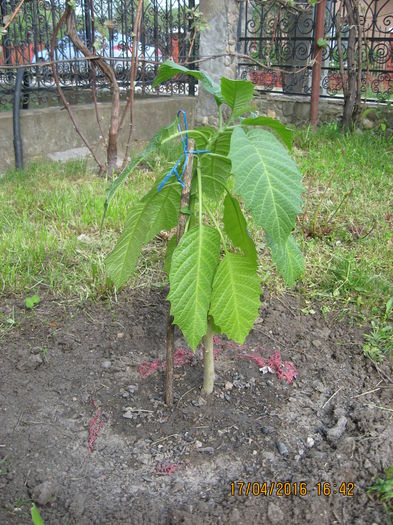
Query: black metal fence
x=105 y=26
x=282 y=40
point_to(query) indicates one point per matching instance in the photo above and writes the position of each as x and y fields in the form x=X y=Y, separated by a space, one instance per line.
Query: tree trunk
x=208 y=361
x=352 y=93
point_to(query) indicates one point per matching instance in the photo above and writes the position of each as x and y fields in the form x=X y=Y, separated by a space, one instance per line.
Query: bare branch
x=134 y=69
x=60 y=91
x=13 y=16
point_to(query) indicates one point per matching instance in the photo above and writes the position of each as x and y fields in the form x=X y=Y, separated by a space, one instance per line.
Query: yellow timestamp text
x=290 y=488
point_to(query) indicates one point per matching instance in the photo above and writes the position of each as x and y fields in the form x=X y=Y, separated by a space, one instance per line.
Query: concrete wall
x=48 y=132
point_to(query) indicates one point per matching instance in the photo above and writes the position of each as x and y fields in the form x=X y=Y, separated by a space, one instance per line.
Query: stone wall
x=217 y=40
x=295 y=110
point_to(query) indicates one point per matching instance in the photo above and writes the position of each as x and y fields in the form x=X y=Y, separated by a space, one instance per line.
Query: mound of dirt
x=298 y=428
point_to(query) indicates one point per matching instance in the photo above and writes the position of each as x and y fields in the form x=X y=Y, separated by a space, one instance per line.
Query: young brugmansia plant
x=214 y=284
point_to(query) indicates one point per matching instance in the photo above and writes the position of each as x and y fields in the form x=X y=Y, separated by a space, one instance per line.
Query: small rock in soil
x=31 y=363
x=44 y=492
x=275 y=514
x=282 y=448
x=228 y=385
x=206 y=450
x=335 y=433
x=106 y=364
x=77 y=505
x=310 y=442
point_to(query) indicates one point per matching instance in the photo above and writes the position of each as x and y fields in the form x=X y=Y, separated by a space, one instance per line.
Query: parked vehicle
x=118 y=47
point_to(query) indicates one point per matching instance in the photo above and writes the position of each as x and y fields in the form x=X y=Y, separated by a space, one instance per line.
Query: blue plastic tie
x=184 y=155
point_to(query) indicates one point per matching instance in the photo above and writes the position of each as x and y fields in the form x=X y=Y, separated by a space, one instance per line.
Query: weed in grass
x=379 y=342
x=7 y=322
x=383 y=489
x=45 y=354
x=32 y=301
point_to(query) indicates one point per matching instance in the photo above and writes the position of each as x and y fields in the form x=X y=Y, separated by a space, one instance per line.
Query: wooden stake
x=170 y=330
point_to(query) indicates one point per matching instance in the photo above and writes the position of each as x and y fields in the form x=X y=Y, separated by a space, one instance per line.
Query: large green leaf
x=153 y=145
x=235 y=296
x=216 y=170
x=268 y=180
x=155 y=212
x=169 y=69
x=288 y=258
x=237 y=94
x=194 y=263
x=36 y=516
x=202 y=136
x=282 y=131
x=235 y=227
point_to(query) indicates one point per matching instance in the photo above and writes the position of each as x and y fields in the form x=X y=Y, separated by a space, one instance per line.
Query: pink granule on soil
x=283 y=369
x=166 y=469
x=95 y=427
x=182 y=357
x=146 y=369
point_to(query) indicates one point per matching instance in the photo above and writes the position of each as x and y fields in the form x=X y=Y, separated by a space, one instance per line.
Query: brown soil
x=70 y=370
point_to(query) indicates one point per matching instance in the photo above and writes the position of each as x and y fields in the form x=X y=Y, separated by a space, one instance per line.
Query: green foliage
x=30 y=302
x=154 y=144
x=235 y=227
x=383 y=489
x=269 y=182
x=169 y=69
x=235 y=296
x=237 y=94
x=203 y=283
x=36 y=516
x=194 y=264
x=284 y=133
x=288 y=258
x=155 y=212
x=379 y=342
x=321 y=42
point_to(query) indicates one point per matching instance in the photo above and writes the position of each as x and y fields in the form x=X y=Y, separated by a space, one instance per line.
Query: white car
x=119 y=47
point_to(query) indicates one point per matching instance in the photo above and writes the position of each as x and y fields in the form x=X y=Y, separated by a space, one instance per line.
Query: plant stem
x=218 y=156
x=180 y=133
x=217 y=227
x=220 y=118
x=199 y=192
x=208 y=361
x=170 y=329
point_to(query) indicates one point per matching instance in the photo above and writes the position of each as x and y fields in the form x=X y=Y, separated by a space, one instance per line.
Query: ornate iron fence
x=280 y=36
x=105 y=26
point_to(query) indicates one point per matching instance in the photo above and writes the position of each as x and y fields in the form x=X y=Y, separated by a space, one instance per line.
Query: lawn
x=299 y=408
x=50 y=217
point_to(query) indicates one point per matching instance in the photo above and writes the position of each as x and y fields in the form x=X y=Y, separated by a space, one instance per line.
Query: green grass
x=50 y=217
x=350 y=255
